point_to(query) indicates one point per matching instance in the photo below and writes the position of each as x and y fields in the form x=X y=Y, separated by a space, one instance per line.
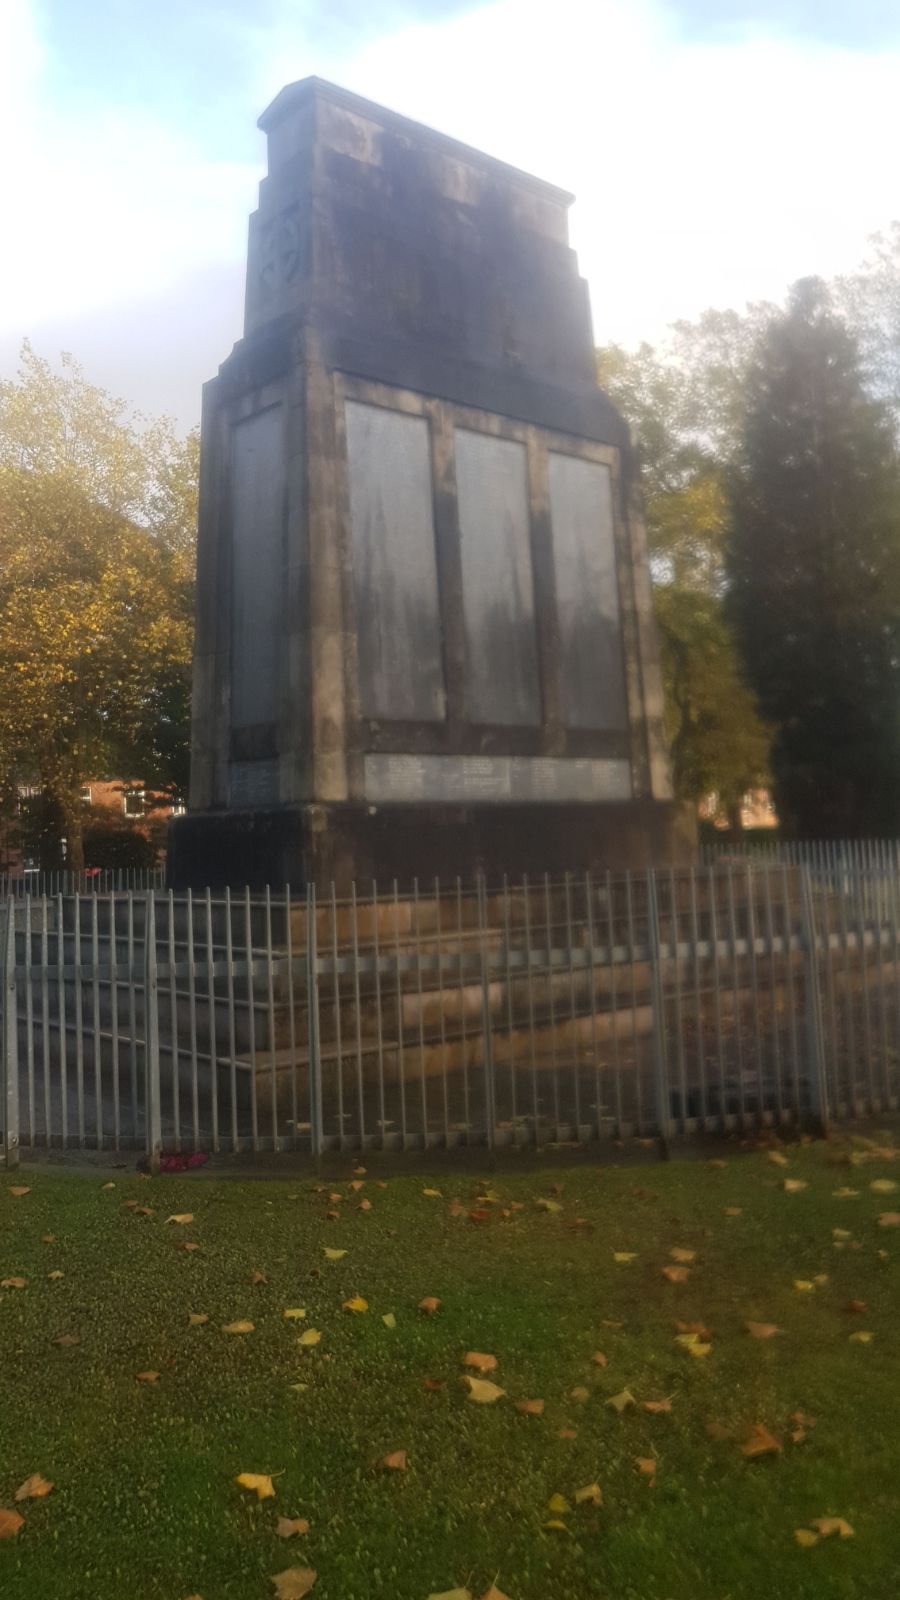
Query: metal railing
x=591 y=1007
x=93 y=880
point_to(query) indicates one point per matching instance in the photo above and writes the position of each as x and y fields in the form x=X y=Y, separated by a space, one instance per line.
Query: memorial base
x=325 y=844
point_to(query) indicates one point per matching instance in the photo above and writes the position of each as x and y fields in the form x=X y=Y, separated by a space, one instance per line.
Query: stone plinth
x=425 y=639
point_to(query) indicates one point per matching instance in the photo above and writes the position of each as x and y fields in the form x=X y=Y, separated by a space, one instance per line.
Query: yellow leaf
x=481 y=1362
x=820 y=1278
x=825 y=1526
x=590 y=1495
x=287 y=1527
x=364 y=1205
x=10 y=1523
x=548 y=1205
x=333 y=1255
x=884 y=1186
x=530 y=1408
x=433 y=1194
x=778 y=1158
x=107 y=1186
x=580 y=1393
x=196 y=1319
x=146 y=1377
x=804 y=1285
x=760 y=1442
x=357 y=1303
x=678 y=1254
x=623 y=1256
x=294 y=1313
x=258 y=1482
x=482 y=1391
x=452 y=1594
x=389 y=1320
x=861 y=1337
x=794 y=1185
x=556 y=1525
x=12 y=1283
x=18 y=1190
x=55 y=1276
x=693 y=1344
x=293 y=1583
x=493 y=1593
x=655 y=1407
x=238 y=1327
x=845 y=1194
x=734 y=1211
x=34 y=1488
x=558 y=1505
x=181 y=1217
x=621 y=1400
x=310 y=1337
x=841 y=1233
x=805 y=1538
x=646 y=1465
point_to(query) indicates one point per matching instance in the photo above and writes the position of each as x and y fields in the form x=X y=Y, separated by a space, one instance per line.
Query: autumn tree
x=684 y=407
x=97 y=513
x=814 y=572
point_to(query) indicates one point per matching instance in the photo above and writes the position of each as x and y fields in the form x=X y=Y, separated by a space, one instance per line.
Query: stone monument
x=425 y=641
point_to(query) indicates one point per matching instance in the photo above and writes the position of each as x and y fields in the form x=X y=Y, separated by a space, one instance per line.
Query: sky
x=718 y=150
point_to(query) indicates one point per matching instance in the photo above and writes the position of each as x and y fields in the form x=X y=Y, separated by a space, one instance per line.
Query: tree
x=683 y=408
x=96 y=570
x=814 y=567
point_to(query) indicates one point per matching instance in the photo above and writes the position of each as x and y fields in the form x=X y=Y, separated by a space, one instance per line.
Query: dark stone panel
x=343 y=843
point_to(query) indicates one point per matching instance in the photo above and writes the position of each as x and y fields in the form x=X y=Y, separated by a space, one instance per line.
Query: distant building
x=757 y=810
x=114 y=801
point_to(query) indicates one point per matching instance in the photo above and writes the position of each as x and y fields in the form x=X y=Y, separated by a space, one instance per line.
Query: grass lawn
x=145 y=1502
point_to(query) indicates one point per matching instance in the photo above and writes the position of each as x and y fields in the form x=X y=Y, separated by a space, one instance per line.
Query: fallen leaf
x=656 y=1407
x=825 y=1526
x=294 y=1582
x=794 y=1185
x=186 y=1245
x=238 y=1327
x=493 y=1593
x=568 y=1433
x=718 y=1432
x=356 y=1185
x=734 y=1211
x=359 y=1172
x=778 y=1158
x=762 y=1330
x=599 y=1359
x=433 y=1194
x=845 y=1194
x=646 y=1466
x=12 y=1283
x=580 y=1394
x=34 y=1488
x=364 y=1205
x=676 y=1274
x=760 y=1442
x=389 y=1320
x=196 y=1319
x=693 y=1344
x=530 y=1408
x=107 y=1186
x=805 y=1538
x=65 y=1339
x=452 y=1594
x=861 y=1338
x=558 y=1505
x=624 y=1256
x=889 y=1219
x=699 y=1328
x=335 y=1197
x=480 y=1362
x=18 y=1190
x=394 y=1461
x=299 y=1388
x=258 y=1277
x=357 y=1303
x=429 y=1305
x=590 y=1495
x=309 y=1338
x=482 y=1391
x=259 y=1483
x=620 y=1401
x=884 y=1186
x=841 y=1233
x=10 y=1523
x=804 y=1285
x=802 y=1419
x=480 y=1215
x=181 y=1217
x=678 y=1254
x=48 y=1238
x=855 y=1305
x=287 y=1527
x=146 y=1377
x=294 y=1313
x=548 y=1205
x=820 y=1278
x=556 y=1525
x=433 y=1384
x=332 y=1255
x=55 y=1276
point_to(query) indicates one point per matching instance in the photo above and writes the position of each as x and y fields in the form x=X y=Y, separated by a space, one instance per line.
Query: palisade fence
x=729 y=996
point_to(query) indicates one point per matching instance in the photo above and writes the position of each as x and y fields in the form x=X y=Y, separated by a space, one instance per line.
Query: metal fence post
x=152 y=1086
x=815 y=1043
x=490 y=1112
x=312 y=1025
x=10 y=1042
x=658 y=1004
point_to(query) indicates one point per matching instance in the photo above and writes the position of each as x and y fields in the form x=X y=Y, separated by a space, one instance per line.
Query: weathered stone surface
x=424 y=621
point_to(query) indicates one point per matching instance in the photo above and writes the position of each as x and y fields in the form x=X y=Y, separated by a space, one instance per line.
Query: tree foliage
x=814 y=569
x=97 y=515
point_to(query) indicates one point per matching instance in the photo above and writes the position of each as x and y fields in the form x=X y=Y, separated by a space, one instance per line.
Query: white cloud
x=704 y=174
